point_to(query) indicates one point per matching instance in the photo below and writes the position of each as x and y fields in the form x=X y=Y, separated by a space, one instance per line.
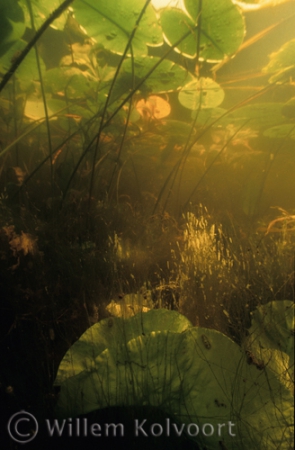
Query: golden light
x=158 y=4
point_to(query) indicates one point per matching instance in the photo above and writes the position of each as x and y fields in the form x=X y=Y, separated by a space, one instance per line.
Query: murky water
x=147 y=163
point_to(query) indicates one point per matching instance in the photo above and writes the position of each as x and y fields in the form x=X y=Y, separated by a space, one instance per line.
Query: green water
x=146 y=162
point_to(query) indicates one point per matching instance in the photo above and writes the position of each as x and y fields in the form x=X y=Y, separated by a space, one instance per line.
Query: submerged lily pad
x=282 y=63
x=12 y=26
x=201 y=94
x=199 y=376
x=42 y=10
x=167 y=76
x=110 y=332
x=27 y=72
x=273 y=325
x=271 y=339
x=257 y=116
x=281 y=131
x=175 y=129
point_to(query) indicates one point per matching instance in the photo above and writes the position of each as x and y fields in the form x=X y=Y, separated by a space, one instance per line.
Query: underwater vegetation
x=194 y=374
x=147 y=213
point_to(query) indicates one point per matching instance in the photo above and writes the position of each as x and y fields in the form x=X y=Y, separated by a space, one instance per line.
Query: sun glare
x=158 y=4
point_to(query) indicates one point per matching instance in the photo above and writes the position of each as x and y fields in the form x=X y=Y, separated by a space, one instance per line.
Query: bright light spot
x=158 y=4
x=258 y=5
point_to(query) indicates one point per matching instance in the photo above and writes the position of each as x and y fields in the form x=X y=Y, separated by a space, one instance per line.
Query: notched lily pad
x=194 y=374
x=221 y=31
x=111 y=332
x=110 y=23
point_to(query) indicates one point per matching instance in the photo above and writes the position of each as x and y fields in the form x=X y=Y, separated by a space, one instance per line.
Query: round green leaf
x=202 y=93
x=134 y=373
x=221 y=32
x=110 y=332
x=223 y=387
x=198 y=376
x=110 y=23
x=167 y=76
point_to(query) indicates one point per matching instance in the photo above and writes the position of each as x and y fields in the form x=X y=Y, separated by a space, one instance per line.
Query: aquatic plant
x=108 y=145
x=195 y=375
x=271 y=339
x=84 y=107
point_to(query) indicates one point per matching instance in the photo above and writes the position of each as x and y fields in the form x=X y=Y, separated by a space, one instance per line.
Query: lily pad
x=281 y=131
x=221 y=31
x=12 y=26
x=71 y=81
x=273 y=324
x=271 y=339
x=42 y=10
x=27 y=72
x=110 y=333
x=257 y=116
x=281 y=63
x=200 y=377
x=34 y=108
x=167 y=76
x=202 y=93
x=176 y=130
x=110 y=23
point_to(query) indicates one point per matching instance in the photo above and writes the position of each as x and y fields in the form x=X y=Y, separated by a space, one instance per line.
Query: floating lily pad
x=217 y=30
x=110 y=23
